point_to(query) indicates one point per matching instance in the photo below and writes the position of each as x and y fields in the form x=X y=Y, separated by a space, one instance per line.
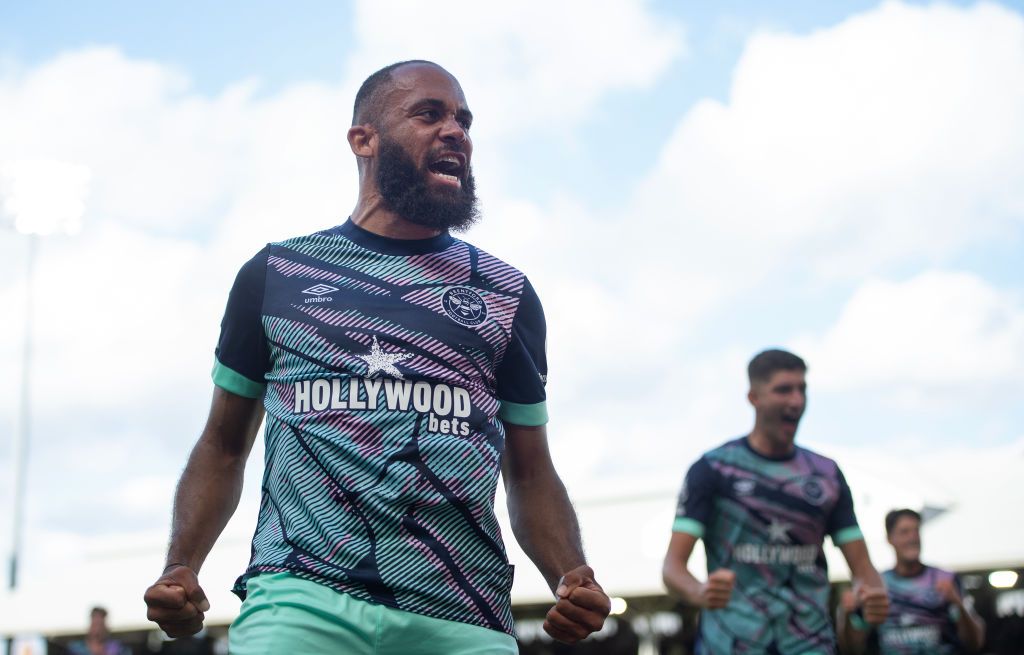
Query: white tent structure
x=626 y=530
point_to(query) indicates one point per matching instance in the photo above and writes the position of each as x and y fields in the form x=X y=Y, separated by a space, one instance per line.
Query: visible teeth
x=450 y=178
x=449 y=161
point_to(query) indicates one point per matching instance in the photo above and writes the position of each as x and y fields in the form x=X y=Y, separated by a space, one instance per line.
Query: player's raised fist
x=875 y=604
x=715 y=593
x=176 y=602
x=581 y=607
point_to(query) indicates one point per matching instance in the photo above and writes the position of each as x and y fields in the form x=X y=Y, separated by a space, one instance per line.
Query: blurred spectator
x=97 y=641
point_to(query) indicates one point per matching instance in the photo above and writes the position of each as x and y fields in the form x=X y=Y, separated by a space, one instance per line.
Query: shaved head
x=369 y=104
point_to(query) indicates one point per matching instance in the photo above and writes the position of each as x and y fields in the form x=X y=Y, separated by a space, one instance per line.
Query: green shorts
x=283 y=613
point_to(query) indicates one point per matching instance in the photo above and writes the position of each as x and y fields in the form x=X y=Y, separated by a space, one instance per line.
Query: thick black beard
x=403 y=186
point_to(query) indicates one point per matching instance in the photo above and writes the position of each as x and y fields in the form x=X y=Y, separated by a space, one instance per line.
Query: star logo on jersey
x=379 y=361
x=778 y=531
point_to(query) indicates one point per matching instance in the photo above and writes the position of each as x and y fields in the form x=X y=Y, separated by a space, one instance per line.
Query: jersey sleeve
x=842 y=522
x=696 y=499
x=523 y=371
x=242 y=357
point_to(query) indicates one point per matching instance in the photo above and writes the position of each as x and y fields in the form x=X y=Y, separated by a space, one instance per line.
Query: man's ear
x=752 y=396
x=363 y=140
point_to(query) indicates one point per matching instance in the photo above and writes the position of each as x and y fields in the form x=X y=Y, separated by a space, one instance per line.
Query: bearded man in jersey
x=399 y=370
x=763 y=506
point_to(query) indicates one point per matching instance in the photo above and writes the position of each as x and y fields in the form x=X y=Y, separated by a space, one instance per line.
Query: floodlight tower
x=44 y=197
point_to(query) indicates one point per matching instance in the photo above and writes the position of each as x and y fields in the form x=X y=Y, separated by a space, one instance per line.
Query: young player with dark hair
x=763 y=506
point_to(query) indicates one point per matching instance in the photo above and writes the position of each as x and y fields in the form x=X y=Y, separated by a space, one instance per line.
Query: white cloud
x=896 y=135
x=44 y=196
x=938 y=331
x=167 y=159
x=127 y=311
x=525 y=65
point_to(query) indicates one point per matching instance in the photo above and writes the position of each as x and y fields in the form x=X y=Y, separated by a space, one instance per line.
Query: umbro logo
x=744 y=486
x=317 y=292
x=320 y=289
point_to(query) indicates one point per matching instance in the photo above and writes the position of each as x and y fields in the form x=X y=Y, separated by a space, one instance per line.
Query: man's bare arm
x=852 y=639
x=206 y=497
x=543 y=520
x=544 y=523
x=675 y=573
x=211 y=484
x=970 y=627
x=870 y=592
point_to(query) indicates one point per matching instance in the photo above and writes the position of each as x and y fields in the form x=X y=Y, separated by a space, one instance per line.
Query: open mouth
x=790 y=420
x=450 y=168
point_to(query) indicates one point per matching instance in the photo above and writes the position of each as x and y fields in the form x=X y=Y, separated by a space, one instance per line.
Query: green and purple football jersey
x=386 y=369
x=920 y=621
x=766 y=519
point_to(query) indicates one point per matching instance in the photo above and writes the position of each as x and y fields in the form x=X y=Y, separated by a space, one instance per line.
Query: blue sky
x=685 y=184
x=280 y=45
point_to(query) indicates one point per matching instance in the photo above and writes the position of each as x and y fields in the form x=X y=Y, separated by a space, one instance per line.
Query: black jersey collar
x=775 y=458
x=388 y=245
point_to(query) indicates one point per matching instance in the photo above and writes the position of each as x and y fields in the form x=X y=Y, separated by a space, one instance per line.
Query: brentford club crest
x=464 y=306
x=813 y=491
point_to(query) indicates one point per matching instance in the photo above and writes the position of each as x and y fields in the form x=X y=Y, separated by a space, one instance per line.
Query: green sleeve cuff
x=233 y=381
x=525 y=415
x=689 y=526
x=846 y=535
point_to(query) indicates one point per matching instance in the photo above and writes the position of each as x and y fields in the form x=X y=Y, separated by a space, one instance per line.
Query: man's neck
x=909 y=568
x=373 y=215
x=767 y=446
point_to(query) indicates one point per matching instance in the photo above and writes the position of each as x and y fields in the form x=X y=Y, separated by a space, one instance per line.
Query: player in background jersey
x=763 y=506
x=399 y=369
x=927 y=611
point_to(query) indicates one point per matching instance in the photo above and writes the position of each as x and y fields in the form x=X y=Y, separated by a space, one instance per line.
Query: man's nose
x=452 y=131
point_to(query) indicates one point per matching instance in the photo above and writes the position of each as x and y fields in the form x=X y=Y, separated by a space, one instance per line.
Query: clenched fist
x=875 y=604
x=176 y=602
x=580 y=609
x=715 y=593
